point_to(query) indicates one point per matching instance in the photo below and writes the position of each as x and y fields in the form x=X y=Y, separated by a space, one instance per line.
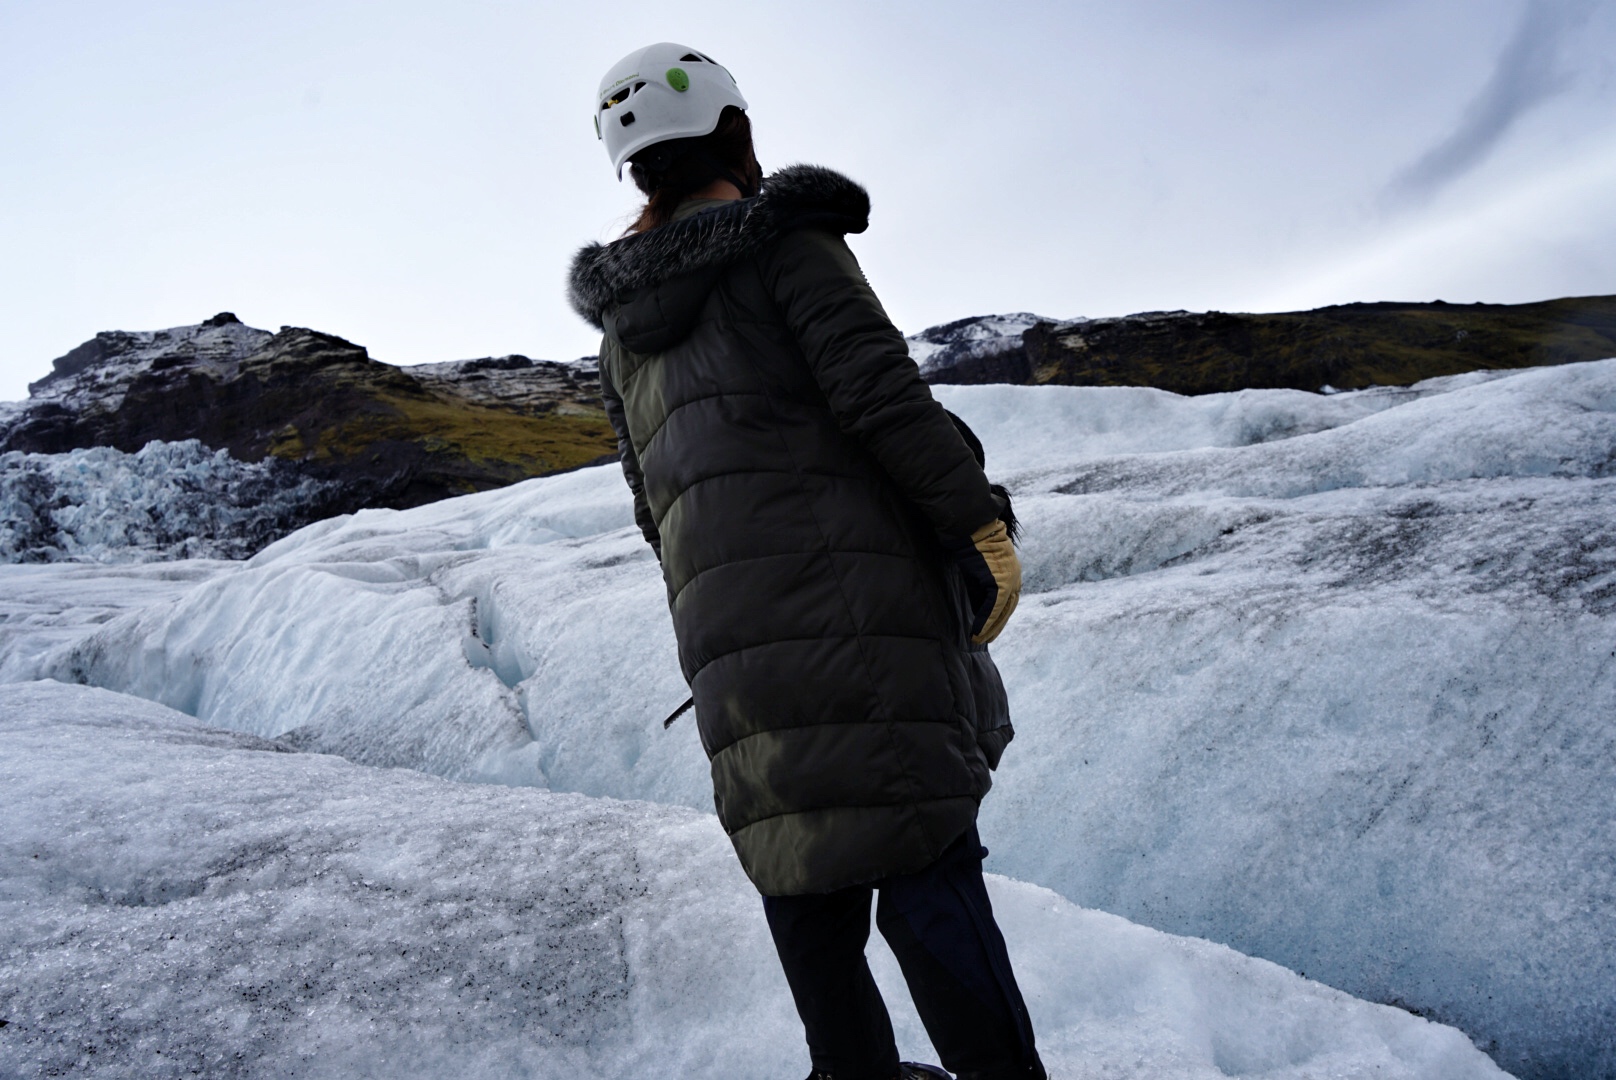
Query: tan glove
x=993 y=580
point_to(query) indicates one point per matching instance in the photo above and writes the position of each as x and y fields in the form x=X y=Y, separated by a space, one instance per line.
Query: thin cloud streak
x=1527 y=75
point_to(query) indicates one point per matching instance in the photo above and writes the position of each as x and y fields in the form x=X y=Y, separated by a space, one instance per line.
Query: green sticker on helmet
x=678 y=79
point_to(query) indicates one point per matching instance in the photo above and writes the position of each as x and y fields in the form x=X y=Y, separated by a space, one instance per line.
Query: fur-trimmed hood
x=797 y=196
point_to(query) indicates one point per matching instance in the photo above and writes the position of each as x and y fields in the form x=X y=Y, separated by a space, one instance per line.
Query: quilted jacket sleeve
x=625 y=453
x=862 y=365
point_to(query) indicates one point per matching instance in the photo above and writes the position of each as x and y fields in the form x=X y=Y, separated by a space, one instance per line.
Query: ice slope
x=47 y=606
x=1329 y=679
x=411 y=639
x=177 y=900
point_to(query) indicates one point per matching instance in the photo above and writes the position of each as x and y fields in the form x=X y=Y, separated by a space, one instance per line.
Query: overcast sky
x=415 y=176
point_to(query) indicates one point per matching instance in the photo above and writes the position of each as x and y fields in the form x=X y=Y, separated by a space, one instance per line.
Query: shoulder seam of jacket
x=795 y=197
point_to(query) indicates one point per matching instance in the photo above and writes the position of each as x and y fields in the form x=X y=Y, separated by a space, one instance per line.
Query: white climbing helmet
x=657 y=93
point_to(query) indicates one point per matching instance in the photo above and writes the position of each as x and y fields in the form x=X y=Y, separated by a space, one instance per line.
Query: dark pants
x=940 y=926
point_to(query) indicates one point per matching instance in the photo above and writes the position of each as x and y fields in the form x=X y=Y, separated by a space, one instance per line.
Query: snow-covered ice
x=177 y=900
x=1326 y=678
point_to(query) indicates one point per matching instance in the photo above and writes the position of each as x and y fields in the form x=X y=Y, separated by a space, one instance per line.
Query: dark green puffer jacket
x=794 y=475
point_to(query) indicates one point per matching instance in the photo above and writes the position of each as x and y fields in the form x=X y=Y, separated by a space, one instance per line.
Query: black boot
x=907 y=1070
x=1035 y=1071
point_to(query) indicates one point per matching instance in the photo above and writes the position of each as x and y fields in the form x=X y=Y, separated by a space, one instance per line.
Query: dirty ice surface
x=1328 y=679
x=164 y=501
x=177 y=900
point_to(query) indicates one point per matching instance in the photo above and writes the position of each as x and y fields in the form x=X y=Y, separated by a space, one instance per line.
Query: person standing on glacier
x=835 y=559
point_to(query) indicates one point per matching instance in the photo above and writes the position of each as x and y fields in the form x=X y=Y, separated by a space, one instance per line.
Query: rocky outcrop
x=981 y=349
x=1347 y=347
x=387 y=436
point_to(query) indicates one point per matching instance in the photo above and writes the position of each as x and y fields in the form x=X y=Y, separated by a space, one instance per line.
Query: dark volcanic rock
x=1347 y=347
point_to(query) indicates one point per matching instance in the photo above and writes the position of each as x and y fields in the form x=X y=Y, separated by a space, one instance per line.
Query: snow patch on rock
x=941 y=349
x=97 y=374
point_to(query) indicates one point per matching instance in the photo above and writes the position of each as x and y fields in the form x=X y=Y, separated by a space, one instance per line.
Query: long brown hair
x=724 y=154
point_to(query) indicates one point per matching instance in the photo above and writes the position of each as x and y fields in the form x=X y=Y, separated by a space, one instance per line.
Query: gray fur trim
x=797 y=196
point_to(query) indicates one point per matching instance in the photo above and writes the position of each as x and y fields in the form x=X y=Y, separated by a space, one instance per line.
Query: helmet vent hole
x=692 y=58
x=626 y=119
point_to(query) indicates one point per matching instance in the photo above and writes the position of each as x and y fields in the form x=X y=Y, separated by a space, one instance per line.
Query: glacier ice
x=165 y=501
x=1326 y=678
x=178 y=900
